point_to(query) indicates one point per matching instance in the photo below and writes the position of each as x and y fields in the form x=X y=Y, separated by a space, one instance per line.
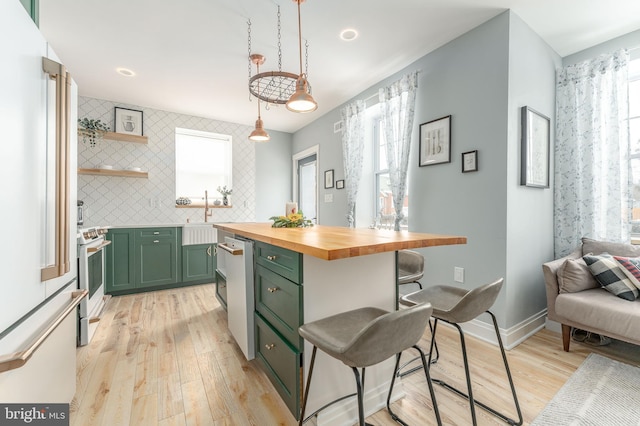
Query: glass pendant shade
x=301 y=100
x=259 y=134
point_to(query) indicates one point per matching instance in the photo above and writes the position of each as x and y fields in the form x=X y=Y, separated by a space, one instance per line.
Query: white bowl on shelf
x=105 y=167
x=134 y=169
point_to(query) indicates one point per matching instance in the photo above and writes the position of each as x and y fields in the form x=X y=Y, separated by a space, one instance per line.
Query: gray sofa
x=575 y=299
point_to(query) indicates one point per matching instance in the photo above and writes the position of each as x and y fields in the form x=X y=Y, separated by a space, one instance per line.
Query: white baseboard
x=512 y=336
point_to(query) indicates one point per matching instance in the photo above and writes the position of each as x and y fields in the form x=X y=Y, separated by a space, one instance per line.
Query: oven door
x=92 y=276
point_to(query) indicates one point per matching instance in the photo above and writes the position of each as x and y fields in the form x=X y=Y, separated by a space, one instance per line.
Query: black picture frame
x=470 y=161
x=328 y=179
x=128 y=121
x=535 y=148
x=340 y=184
x=435 y=142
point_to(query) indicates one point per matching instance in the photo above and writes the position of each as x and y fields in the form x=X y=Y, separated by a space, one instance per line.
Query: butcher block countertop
x=334 y=242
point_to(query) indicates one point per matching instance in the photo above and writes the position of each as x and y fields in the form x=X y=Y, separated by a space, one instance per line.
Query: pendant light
x=301 y=100
x=259 y=134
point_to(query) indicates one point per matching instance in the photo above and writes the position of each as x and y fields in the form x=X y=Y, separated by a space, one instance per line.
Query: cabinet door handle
x=271 y=258
x=272 y=289
x=215 y=251
x=156 y=233
x=156 y=241
x=209 y=251
x=269 y=347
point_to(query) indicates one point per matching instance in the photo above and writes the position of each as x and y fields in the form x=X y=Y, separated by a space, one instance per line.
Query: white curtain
x=398 y=104
x=592 y=179
x=353 y=153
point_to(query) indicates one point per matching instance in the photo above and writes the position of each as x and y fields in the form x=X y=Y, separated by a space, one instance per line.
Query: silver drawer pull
x=272 y=289
x=156 y=241
x=272 y=258
x=269 y=347
x=156 y=233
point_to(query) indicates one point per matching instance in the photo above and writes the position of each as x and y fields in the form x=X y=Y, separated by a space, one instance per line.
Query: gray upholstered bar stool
x=364 y=337
x=456 y=305
x=410 y=267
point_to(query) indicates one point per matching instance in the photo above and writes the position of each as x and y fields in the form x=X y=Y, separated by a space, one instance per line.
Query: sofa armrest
x=550 y=270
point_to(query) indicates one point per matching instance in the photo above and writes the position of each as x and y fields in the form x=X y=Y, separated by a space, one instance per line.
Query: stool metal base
x=469 y=396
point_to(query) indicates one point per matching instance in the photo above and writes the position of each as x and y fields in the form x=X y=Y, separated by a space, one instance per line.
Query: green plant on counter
x=293 y=220
x=91 y=130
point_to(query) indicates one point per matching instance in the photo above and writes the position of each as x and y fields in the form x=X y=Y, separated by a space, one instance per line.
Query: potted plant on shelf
x=225 y=192
x=91 y=130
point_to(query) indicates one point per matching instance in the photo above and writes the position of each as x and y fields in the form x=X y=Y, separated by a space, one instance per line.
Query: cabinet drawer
x=282 y=261
x=282 y=363
x=150 y=233
x=279 y=301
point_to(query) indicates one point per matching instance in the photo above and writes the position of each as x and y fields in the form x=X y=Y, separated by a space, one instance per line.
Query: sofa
x=576 y=296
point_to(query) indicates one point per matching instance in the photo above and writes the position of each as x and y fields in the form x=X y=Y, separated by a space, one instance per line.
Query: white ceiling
x=190 y=56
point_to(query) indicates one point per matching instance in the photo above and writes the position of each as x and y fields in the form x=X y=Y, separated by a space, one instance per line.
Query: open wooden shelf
x=201 y=206
x=112 y=172
x=123 y=137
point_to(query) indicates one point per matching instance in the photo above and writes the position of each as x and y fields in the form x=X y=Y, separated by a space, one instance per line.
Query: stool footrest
x=457 y=391
x=315 y=413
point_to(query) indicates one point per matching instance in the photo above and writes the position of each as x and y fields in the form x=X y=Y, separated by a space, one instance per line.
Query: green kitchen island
x=304 y=274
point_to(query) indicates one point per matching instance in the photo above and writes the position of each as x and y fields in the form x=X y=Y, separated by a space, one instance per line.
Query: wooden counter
x=334 y=242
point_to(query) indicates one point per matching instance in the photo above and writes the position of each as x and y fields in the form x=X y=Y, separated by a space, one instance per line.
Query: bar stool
x=364 y=337
x=456 y=305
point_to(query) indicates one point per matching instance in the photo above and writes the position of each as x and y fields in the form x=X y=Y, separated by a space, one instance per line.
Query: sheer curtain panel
x=398 y=103
x=353 y=153
x=592 y=179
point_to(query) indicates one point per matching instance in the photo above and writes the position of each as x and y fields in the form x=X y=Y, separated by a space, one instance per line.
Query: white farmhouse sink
x=198 y=233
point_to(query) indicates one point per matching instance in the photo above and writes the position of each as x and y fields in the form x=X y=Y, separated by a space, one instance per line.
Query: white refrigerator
x=38 y=254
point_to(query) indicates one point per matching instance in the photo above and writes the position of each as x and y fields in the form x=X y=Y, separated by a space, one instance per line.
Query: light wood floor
x=166 y=358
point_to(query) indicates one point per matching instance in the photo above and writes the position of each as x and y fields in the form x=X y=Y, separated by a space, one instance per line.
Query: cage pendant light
x=301 y=100
x=258 y=134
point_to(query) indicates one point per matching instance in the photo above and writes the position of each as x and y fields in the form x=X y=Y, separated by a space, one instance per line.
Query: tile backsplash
x=111 y=200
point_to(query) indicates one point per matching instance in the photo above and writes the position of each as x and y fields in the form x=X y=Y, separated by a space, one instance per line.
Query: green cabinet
x=157 y=261
x=278 y=314
x=33 y=9
x=120 y=260
x=198 y=262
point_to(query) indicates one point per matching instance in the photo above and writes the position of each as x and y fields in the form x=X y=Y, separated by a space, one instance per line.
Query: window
x=384 y=209
x=203 y=162
x=634 y=139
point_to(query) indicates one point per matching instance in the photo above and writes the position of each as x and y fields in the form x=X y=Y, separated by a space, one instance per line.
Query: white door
x=307 y=185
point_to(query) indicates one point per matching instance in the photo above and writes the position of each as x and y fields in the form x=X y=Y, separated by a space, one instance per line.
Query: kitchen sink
x=198 y=233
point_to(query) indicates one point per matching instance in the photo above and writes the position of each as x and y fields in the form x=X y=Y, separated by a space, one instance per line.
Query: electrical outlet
x=458 y=274
x=328 y=198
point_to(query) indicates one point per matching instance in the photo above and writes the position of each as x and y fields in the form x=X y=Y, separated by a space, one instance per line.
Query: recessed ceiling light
x=349 y=34
x=126 y=72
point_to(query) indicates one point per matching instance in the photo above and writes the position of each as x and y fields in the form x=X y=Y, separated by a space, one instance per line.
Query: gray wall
x=480 y=78
x=532 y=65
x=627 y=41
x=273 y=175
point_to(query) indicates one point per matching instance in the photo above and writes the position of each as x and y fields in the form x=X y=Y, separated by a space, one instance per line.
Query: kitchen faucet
x=207 y=213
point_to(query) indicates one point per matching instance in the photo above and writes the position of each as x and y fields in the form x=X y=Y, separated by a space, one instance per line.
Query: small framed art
x=328 y=179
x=340 y=184
x=435 y=142
x=470 y=161
x=128 y=121
x=534 y=162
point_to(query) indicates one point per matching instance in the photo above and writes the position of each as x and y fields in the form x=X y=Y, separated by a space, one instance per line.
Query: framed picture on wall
x=536 y=135
x=435 y=142
x=128 y=121
x=328 y=179
x=340 y=184
x=470 y=161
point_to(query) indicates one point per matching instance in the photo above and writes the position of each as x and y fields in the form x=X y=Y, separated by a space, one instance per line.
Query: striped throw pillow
x=631 y=268
x=610 y=275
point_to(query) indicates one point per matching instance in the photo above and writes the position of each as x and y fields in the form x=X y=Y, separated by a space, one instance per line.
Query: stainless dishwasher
x=237 y=256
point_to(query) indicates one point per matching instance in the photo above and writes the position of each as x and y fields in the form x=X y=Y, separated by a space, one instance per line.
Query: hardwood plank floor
x=166 y=358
